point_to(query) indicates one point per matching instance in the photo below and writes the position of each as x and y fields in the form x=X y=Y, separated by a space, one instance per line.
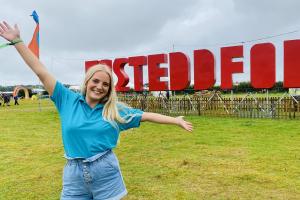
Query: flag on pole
x=34 y=45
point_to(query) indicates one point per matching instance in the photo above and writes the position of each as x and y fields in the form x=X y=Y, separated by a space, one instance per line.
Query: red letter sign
x=155 y=72
x=123 y=78
x=180 y=76
x=228 y=67
x=291 y=64
x=137 y=63
x=204 y=69
x=91 y=63
x=262 y=68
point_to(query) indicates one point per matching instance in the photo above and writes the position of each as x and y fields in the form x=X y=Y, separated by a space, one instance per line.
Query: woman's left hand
x=184 y=124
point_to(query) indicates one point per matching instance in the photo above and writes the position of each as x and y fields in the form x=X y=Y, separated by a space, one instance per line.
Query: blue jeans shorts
x=98 y=180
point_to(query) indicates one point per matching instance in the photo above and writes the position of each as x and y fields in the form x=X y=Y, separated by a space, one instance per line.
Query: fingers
x=7 y=25
x=186 y=122
x=16 y=27
x=3 y=28
x=187 y=126
x=189 y=129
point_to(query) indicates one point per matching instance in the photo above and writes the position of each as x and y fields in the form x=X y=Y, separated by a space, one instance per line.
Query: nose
x=100 y=86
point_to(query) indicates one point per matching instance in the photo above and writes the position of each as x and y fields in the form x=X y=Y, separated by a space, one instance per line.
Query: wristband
x=15 y=41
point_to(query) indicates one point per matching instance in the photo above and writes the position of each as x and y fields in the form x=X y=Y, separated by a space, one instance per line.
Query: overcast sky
x=73 y=31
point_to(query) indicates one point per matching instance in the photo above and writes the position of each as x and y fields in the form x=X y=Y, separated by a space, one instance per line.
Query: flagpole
x=34 y=46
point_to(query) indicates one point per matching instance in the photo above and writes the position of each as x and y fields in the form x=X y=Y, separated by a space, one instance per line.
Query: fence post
x=199 y=106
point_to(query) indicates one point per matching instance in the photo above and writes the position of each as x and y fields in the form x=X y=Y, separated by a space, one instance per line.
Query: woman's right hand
x=9 y=33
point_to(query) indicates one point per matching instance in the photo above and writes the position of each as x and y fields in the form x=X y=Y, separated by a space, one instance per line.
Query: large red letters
x=138 y=62
x=180 y=76
x=155 y=72
x=291 y=64
x=204 y=69
x=262 y=68
x=228 y=67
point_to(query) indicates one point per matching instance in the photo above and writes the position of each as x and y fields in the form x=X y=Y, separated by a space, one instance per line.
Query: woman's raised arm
x=12 y=34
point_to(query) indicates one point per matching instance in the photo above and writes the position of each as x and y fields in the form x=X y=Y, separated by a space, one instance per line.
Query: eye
x=95 y=81
x=106 y=84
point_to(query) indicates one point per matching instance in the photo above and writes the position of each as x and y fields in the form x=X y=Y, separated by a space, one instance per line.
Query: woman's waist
x=87 y=159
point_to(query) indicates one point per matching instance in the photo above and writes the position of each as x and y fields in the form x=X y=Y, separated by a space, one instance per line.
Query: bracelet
x=15 y=41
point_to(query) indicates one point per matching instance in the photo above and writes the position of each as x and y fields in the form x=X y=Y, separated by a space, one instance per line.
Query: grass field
x=223 y=158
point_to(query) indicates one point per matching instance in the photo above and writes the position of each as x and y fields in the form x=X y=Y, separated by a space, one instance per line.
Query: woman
x=91 y=123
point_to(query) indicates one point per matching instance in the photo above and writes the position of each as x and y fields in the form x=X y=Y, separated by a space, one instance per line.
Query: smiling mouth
x=97 y=92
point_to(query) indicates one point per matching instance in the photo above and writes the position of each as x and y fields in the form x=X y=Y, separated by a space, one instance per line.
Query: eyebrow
x=100 y=80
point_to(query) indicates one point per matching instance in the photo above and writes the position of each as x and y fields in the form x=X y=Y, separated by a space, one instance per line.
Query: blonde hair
x=110 y=110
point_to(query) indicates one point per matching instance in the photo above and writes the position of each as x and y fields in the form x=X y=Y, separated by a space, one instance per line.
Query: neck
x=91 y=103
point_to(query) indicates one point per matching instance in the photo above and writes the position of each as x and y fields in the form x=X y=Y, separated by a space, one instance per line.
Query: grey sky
x=74 y=31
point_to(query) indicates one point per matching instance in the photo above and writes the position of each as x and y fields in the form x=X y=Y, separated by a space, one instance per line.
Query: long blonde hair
x=110 y=110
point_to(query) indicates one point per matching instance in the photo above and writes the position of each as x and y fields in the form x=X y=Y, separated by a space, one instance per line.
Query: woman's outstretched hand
x=184 y=124
x=9 y=33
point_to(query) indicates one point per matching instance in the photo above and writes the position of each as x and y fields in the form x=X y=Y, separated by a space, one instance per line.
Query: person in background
x=16 y=99
x=6 y=99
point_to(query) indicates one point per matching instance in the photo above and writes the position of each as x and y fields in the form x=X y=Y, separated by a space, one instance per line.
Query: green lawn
x=224 y=158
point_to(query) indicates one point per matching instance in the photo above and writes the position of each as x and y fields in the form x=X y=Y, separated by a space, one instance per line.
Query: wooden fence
x=247 y=107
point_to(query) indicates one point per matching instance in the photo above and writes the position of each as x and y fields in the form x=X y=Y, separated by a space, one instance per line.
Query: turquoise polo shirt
x=84 y=131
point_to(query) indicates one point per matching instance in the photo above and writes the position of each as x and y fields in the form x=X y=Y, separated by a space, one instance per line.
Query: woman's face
x=97 y=87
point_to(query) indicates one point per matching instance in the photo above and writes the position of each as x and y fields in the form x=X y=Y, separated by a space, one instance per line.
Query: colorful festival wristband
x=13 y=42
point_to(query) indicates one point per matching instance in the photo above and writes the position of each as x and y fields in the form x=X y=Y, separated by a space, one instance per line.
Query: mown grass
x=223 y=158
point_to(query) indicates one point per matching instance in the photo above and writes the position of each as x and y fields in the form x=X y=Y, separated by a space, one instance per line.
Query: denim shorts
x=98 y=180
